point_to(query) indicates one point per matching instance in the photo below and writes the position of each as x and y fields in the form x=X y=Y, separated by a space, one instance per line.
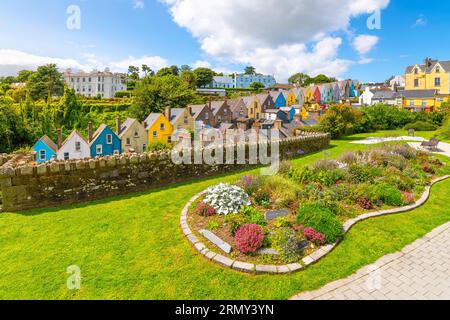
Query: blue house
x=278 y=99
x=105 y=142
x=290 y=113
x=353 y=92
x=45 y=149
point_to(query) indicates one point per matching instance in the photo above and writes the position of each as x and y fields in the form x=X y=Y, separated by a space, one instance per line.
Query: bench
x=431 y=144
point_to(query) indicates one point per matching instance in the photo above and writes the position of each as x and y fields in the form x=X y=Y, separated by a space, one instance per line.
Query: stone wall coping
x=313 y=258
x=8 y=171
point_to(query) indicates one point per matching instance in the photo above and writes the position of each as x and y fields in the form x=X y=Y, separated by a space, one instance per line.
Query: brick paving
x=421 y=271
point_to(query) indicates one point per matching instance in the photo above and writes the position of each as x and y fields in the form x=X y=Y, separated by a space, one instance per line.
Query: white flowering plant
x=226 y=199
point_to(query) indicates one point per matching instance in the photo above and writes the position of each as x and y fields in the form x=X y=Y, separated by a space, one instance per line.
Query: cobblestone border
x=306 y=261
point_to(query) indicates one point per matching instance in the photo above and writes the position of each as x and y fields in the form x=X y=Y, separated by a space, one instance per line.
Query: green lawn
x=131 y=247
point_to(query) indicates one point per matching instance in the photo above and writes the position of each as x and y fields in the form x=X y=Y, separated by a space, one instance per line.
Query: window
x=206 y=116
x=186 y=120
x=424 y=103
x=84 y=79
x=416 y=71
x=42 y=155
x=155 y=134
x=128 y=142
x=77 y=146
x=169 y=139
x=411 y=103
x=437 y=82
x=144 y=147
x=66 y=156
x=438 y=70
x=90 y=80
x=416 y=83
x=162 y=127
x=219 y=119
x=109 y=138
x=136 y=134
x=116 y=152
x=99 y=87
x=99 y=149
x=225 y=111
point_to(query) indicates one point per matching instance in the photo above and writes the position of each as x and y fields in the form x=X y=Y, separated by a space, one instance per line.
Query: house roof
x=263 y=97
x=216 y=105
x=196 y=110
x=235 y=104
x=272 y=110
x=248 y=100
x=49 y=143
x=417 y=93
x=175 y=114
x=74 y=132
x=282 y=86
x=427 y=69
x=385 y=95
x=151 y=119
x=98 y=132
x=274 y=95
x=126 y=125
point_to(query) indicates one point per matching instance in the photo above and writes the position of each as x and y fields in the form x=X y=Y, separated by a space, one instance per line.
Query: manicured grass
x=131 y=247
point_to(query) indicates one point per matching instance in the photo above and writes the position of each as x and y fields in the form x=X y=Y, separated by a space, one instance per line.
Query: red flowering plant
x=314 y=236
x=249 y=238
x=408 y=198
x=205 y=209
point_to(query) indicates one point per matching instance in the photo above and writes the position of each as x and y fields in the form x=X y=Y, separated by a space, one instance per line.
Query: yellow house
x=134 y=137
x=418 y=100
x=309 y=95
x=291 y=99
x=254 y=107
x=432 y=75
x=159 y=128
x=180 y=118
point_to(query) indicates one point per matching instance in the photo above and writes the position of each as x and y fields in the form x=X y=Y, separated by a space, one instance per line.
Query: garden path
x=421 y=271
x=376 y=140
x=443 y=148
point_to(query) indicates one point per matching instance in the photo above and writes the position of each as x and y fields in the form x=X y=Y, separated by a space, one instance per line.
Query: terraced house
x=431 y=75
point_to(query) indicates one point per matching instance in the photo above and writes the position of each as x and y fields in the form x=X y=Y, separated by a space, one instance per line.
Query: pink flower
x=314 y=236
x=249 y=238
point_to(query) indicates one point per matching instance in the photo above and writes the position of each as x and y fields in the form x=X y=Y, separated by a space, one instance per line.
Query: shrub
x=386 y=194
x=321 y=219
x=284 y=240
x=349 y=158
x=408 y=198
x=428 y=168
x=421 y=126
x=405 y=151
x=158 y=146
x=314 y=236
x=361 y=173
x=249 y=183
x=249 y=238
x=325 y=165
x=213 y=225
x=280 y=191
x=253 y=216
x=303 y=175
x=365 y=203
x=283 y=223
x=235 y=221
x=205 y=209
x=330 y=177
x=226 y=199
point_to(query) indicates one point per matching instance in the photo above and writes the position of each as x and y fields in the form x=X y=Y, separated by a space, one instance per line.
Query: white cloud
x=421 y=21
x=253 y=31
x=12 y=61
x=201 y=64
x=363 y=44
x=138 y=4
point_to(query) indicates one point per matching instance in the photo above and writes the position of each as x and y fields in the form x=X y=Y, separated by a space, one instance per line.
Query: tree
x=388 y=81
x=133 y=73
x=257 y=86
x=173 y=70
x=250 y=70
x=299 y=78
x=185 y=67
x=68 y=112
x=189 y=78
x=24 y=75
x=204 y=76
x=45 y=83
x=154 y=94
x=13 y=132
x=340 y=120
x=147 y=71
x=320 y=79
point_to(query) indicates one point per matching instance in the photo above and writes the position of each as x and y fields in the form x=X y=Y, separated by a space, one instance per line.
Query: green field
x=131 y=247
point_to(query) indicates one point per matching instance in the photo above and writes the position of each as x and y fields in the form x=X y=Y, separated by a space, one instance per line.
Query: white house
x=366 y=97
x=91 y=84
x=75 y=147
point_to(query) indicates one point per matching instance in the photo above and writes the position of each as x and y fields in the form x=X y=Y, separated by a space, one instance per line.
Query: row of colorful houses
x=266 y=110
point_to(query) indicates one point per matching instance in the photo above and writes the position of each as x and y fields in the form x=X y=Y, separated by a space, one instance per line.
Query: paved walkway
x=377 y=140
x=443 y=148
x=421 y=271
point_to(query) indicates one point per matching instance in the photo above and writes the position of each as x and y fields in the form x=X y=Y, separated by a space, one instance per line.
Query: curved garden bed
x=243 y=236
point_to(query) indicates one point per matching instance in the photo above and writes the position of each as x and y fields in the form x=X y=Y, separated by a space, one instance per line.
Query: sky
x=367 y=40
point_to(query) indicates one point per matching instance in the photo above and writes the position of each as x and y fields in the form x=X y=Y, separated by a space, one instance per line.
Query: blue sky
x=227 y=35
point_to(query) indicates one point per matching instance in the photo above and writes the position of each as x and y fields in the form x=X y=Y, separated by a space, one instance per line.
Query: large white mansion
x=92 y=84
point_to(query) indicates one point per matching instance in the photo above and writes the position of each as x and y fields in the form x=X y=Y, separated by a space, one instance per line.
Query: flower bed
x=313 y=202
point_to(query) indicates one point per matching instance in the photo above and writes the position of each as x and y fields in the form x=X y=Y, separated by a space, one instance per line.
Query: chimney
x=90 y=132
x=59 y=133
x=167 y=113
x=190 y=110
x=118 y=125
x=210 y=104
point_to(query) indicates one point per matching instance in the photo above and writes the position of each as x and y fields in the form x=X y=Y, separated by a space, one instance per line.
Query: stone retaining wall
x=306 y=261
x=65 y=182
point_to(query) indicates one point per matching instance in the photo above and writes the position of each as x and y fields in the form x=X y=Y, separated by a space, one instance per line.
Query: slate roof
x=248 y=100
x=416 y=93
x=274 y=95
x=384 y=95
x=175 y=114
x=126 y=125
x=216 y=105
x=151 y=119
x=197 y=109
x=49 y=143
x=262 y=97
x=444 y=64
x=235 y=104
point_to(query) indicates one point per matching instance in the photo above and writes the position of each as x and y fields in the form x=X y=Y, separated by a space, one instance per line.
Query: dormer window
x=438 y=69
